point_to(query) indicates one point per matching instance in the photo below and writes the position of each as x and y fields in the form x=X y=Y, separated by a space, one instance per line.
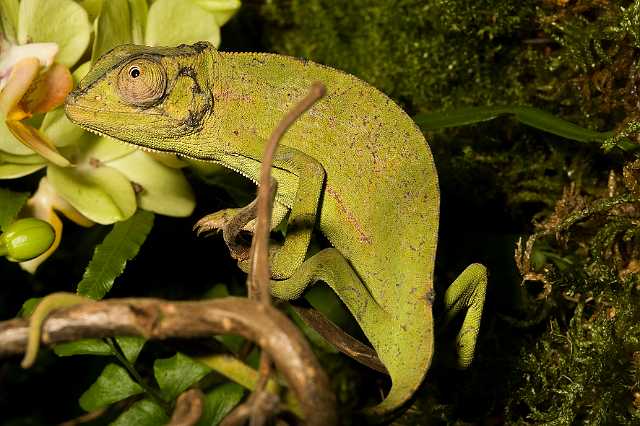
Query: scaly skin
x=355 y=166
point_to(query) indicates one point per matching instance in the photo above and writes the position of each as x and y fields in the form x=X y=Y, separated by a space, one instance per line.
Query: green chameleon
x=355 y=166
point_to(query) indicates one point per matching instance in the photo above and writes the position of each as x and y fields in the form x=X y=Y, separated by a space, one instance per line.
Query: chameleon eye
x=142 y=82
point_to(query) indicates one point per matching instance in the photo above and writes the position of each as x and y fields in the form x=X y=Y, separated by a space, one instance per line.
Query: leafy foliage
x=113 y=385
x=110 y=257
x=176 y=374
x=10 y=205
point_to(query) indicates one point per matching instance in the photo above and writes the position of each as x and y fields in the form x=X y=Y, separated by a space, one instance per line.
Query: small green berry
x=26 y=239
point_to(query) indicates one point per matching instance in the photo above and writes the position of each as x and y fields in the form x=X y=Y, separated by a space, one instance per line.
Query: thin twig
x=262 y=404
x=188 y=408
x=260 y=246
x=149 y=390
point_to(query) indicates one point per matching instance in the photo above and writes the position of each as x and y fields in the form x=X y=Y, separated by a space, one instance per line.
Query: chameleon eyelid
x=140 y=88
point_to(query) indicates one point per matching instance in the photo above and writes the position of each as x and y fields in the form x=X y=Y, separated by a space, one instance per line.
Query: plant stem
x=150 y=391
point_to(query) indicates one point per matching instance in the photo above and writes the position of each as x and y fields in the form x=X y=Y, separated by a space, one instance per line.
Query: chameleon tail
x=404 y=348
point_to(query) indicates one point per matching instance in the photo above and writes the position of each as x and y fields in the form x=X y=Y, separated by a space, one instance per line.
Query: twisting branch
x=161 y=319
x=262 y=404
x=260 y=274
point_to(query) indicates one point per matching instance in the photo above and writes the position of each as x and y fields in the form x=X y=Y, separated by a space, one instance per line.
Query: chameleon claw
x=214 y=222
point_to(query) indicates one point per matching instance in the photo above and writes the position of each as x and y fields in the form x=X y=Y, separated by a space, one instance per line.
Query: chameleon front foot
x=231 y=222
x=213 y=223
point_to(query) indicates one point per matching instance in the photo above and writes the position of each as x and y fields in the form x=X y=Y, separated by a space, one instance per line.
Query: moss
x=576 y=58
x=565 y=348
x=428 y=55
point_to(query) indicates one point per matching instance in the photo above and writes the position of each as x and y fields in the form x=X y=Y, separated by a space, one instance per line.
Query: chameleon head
x=156 y=94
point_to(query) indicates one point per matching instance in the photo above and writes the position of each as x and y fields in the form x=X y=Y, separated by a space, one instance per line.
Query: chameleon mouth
x=74 y=112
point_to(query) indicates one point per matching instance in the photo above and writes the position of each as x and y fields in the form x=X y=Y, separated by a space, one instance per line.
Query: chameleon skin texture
x=355 y=166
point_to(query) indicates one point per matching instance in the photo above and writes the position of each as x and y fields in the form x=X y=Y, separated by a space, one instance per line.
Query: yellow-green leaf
x=114 y=384
x=111 y=256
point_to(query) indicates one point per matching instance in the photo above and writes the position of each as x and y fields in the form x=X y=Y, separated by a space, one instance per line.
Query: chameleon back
x=381 y=200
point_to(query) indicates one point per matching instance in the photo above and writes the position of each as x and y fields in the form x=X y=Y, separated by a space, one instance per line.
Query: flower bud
x=26 y=239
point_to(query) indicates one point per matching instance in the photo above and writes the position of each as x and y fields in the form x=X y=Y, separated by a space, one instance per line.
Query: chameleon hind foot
x=45 y=307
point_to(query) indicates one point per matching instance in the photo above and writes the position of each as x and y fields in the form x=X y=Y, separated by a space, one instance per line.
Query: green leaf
x=219 y=402
x=130 y=345
x=543 y=120
x=165 y=190
x=174 y=375
x=530 y=116
x=113 y=385
x=9 y=20
x=59 y=21
x=83 y=347
x=10 y=205
x=142 y=413
x=113 y=27
x=110 y=257
x=457 y=117
x=172 y=22
x=102 y=194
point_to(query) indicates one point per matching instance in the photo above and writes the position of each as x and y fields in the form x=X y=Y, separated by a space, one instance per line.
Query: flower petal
x=223 y=10
x=102 y=194
x=113 y=27
x=164 y=190
x=37 y=141
x=8 y=20
x=49 y=90
x=13 y=171
x=64 y=22
x=172 y=22
x=57 y=127
x=23 y=73
x=55 y=222
x=42 y=205
x=102 y=148
x=43 y=52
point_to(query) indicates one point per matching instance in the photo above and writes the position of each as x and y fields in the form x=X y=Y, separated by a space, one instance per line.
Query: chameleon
x=354 y=166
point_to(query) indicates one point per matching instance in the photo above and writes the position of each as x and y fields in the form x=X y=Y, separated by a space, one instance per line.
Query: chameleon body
x=355 y=166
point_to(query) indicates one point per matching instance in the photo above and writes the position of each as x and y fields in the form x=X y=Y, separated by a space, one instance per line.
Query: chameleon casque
x=354 y=166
